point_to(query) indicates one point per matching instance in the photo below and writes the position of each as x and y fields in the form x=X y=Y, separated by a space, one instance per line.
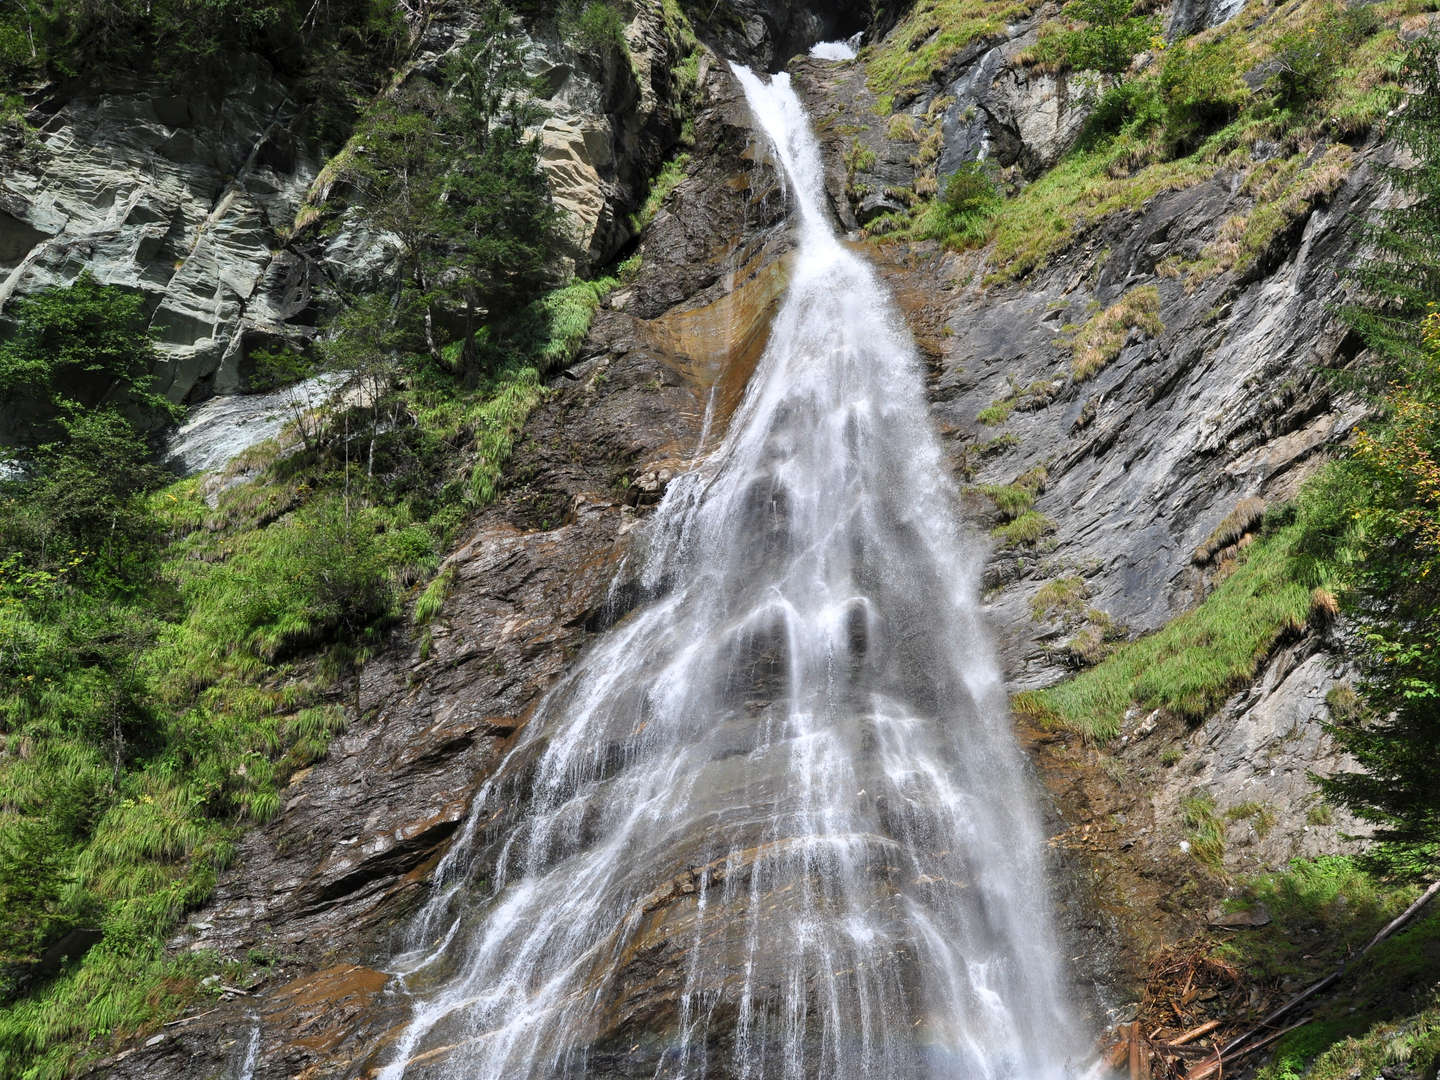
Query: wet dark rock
x=1246 y=918
x=767 y=33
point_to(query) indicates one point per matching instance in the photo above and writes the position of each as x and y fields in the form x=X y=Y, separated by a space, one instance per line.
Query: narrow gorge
x=640 y=539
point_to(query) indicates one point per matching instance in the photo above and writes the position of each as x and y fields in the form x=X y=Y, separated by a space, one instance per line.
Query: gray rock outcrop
x=194 y=201
x=181 y=198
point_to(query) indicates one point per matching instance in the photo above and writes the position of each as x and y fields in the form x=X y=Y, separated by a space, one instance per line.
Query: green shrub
x=197 y=43
x=74 y=347
x=1014 y=498
x=1201 y=89
x=597 y=26
x=997 y=412
x=274 y=368
x=961 y=217
x=1011 y=500
x=1133 y=107
x=1111 y=38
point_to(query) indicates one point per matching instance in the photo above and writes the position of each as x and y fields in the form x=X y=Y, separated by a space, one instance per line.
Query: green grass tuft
x=1025 y=531
x=432 y=599
x=661 y=188
x=1100 y=340
x=1206 y=831
x=1192 y=664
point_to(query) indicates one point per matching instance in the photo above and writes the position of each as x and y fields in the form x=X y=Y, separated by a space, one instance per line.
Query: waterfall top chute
x=837 y=50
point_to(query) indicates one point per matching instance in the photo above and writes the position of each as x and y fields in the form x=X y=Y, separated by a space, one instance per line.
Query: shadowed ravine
x=774 y=823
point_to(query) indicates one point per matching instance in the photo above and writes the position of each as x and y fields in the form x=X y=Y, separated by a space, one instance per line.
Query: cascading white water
x=774 y=823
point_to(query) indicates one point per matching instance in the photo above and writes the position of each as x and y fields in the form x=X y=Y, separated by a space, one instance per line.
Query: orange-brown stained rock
x=318 y=1011
x=719 y=344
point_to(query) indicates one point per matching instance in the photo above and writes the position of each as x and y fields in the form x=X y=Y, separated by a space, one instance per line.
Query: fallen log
x=1305 y=995
x=1195 y=1033
x=1216 y=1064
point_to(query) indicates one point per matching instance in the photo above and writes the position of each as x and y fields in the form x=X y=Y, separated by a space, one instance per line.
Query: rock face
x=223 y=428
x=611 y=122
x=178 y=197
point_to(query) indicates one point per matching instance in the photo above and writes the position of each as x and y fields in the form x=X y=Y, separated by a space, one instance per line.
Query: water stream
x=774 y=823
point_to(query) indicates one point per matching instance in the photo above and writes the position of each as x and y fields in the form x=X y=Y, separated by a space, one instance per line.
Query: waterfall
x=774 y=823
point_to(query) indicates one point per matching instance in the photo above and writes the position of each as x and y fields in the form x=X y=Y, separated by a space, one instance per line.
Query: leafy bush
x=274 y=368
x=596 y=27
x=1111 y=37
x=456 y=178
x=1201 y=89
x=961 y=217
x=197 y=43
x=1309 y=59
x=1132 y=107
x=74 y=347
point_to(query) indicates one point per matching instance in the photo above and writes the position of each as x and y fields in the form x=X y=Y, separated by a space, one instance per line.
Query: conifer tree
x=1400 y=279
x=452 y=171
x=1379 y=507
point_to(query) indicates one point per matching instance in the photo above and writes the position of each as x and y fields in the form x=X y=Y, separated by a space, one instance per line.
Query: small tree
x=79 y=346
x=1113 y=35
x=454 y=176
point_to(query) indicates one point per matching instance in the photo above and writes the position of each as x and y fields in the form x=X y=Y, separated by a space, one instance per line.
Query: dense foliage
x=1383 y=502
x=201 y=40
x=960 y=218
x=1378 y=508
x=78 y=349
x=80 y=547
x=1111 y=33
